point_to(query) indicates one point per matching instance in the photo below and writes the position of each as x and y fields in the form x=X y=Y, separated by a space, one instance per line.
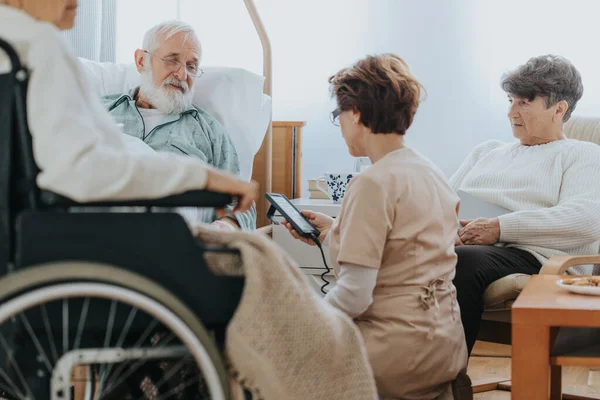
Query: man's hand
x=222 y=182
x=482 y=231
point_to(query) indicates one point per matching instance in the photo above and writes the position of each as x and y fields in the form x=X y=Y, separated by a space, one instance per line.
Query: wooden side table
x=538 y=312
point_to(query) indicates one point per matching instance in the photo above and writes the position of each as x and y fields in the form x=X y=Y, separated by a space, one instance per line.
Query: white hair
x=166 y=30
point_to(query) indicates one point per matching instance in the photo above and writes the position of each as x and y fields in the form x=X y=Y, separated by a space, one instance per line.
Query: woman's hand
x=482 y=231
x=221 y=182
x=320 y=221
x=457 y=241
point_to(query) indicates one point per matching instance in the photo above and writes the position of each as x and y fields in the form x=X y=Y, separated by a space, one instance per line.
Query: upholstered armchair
x=500 y=295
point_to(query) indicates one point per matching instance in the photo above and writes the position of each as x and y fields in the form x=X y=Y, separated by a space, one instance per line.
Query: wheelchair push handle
x=193 y=198
x=12 y=55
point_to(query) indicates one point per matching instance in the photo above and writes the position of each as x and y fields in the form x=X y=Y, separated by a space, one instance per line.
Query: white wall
x=134 y=18
x=457 y=48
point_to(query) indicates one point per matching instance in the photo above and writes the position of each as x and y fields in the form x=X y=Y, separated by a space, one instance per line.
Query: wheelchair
x=126 y=296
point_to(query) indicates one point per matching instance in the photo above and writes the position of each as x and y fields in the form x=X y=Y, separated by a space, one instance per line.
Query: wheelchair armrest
x=194 y=198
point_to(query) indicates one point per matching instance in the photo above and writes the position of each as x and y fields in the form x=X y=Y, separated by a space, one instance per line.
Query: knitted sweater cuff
x=509 y=228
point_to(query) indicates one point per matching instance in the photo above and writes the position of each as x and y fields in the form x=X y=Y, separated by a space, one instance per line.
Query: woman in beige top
x=393 y=241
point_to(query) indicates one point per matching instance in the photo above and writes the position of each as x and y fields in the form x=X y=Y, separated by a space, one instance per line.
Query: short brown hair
x=382 y=89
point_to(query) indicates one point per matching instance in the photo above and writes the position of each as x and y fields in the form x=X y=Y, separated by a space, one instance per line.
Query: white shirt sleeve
x=79 y=149
x=353 y=292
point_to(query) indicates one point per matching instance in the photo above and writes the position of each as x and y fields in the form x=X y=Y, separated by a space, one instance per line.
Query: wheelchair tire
x=16 y=286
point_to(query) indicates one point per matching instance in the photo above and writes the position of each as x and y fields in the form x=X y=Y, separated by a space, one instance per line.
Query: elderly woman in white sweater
x=550 y=183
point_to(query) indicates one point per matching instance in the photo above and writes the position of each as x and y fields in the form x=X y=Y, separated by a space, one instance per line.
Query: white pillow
x=234 y=96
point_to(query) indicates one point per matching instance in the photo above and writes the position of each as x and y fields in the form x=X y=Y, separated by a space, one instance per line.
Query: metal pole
x=268 y=74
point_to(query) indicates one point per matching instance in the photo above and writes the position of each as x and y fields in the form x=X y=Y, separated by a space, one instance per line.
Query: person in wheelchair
x=79 y=150
x=61 y=149
x=160 y=113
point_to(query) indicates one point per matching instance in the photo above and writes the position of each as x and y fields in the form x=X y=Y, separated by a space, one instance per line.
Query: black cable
x=315 y=239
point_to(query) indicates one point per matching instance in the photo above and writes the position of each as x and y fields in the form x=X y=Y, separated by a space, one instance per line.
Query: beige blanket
x=284 y=342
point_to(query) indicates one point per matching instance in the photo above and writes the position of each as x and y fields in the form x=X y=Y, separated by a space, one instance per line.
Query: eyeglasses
x=335 y=117
x=175 y=66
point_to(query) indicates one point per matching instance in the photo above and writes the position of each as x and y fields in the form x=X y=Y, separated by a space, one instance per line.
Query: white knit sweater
x=553 y=190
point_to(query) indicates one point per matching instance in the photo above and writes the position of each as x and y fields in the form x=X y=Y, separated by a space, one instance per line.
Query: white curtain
x=94 y=35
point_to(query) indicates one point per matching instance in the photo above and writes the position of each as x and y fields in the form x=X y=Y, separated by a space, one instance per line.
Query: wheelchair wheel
x=140 y=340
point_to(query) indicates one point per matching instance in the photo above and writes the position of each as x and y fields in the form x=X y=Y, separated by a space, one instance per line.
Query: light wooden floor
x=491 y=361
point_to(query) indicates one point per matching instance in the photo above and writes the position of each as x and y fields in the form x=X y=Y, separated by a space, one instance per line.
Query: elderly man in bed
x=160 y=112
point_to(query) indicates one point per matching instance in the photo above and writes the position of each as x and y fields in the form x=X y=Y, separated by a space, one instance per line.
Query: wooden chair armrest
x=558 y=265
x=266 y=230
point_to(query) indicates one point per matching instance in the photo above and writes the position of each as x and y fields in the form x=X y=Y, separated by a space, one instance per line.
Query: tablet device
x=291 y=214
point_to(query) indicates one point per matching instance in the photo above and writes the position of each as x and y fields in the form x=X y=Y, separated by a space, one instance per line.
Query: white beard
x=165 y=98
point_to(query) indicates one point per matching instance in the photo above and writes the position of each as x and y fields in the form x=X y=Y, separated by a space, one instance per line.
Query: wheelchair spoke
x=65 y=320
x=12 y=360
x=109 y=328
x=36 y=342
x=137 y=344
x=82 y=317
x=168 y=374
x=135 y=367
x=127 y=326
x=151 y=326
x=14 y=389
x=179 y=387
x=111 y=323
x=123 y=335
x=49 y=333
x=111 y=385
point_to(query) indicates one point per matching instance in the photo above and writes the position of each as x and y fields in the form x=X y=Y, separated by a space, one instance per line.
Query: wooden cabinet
x=287 y=164
x=287 y=158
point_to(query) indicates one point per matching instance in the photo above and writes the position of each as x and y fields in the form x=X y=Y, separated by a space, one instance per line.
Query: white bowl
x=587 y=290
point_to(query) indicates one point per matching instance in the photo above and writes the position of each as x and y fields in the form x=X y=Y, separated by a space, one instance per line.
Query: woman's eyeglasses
x=175 y=66
x=335 y=117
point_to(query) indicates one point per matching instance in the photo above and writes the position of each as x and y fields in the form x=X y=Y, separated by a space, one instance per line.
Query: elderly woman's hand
x=457 y=241
x=482 y=231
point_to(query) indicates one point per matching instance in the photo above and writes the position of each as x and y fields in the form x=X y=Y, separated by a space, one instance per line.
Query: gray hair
x=553 y=77
x=166 y=29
